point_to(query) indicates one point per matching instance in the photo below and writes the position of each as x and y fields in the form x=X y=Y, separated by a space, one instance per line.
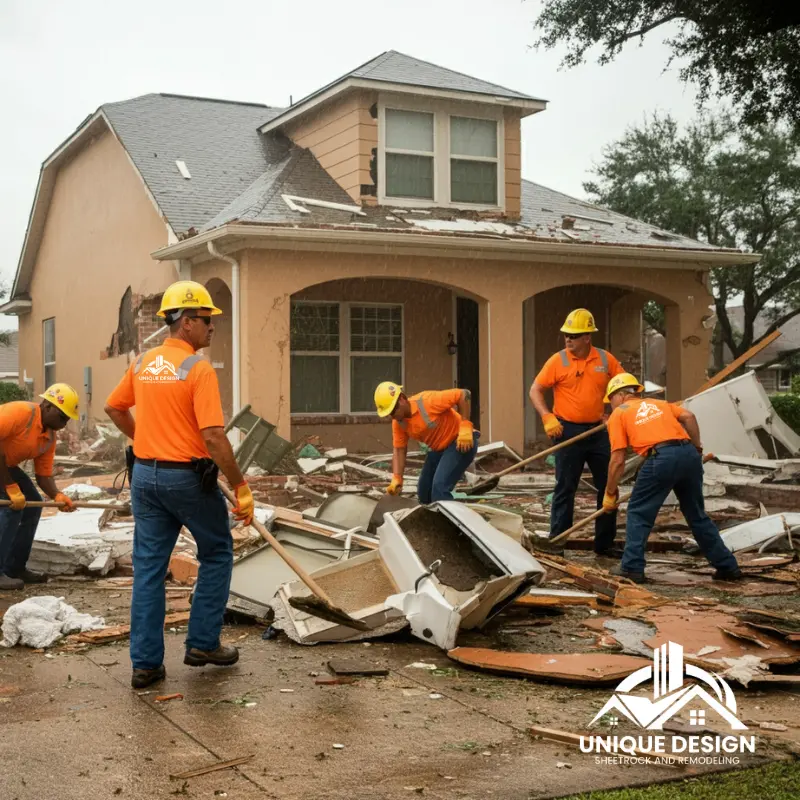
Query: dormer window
x=440 y=156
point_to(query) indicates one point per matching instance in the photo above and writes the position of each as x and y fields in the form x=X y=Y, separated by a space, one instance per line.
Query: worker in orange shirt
x=669 y=438
x=578 y=376
x=441 y=421
x=179 y=445
x=28 y=430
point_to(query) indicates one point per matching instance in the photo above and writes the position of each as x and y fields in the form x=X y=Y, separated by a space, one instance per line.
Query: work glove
x=610 y=502
x=396 y=485
x=465 y=441
x=68 y=506
x=552 y=427
x=243 y=510
x=15 y=496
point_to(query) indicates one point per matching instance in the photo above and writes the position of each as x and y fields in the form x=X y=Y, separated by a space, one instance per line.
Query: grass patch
x=776 y=781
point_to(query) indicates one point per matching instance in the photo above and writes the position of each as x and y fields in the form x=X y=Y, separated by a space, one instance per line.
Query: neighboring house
x=378 y=228
x=9 y=358
x=773 y=371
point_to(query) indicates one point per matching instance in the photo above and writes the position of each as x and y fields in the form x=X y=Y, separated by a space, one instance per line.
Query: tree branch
x=780 y=321
x=780 y=284
x=782 y=356
x=642 y=31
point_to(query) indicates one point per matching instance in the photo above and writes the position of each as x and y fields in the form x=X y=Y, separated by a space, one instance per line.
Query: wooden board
x=118 y=632
x=595 y=668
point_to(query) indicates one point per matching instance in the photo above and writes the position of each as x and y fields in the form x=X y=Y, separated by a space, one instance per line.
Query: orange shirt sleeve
x=676 y=410
x=205 y=397
x=123 y=398
x=399 y=436
x=43 y=464
x=439 y=402
x=614 y=367
x=547 y=374
x=11 y=423
x=616 y=430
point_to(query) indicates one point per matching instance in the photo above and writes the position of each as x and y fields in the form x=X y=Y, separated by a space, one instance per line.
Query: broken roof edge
x=347 y=82
x=45 y=185
x=460 y=245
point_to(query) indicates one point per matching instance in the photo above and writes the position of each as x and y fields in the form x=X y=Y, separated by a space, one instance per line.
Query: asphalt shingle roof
x=9 y=355
x=218 y=141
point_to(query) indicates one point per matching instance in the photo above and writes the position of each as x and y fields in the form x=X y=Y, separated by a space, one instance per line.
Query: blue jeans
x=595 y=451
x=677 y=468
x=17 y=528
x=163 y=500
x=442 y=470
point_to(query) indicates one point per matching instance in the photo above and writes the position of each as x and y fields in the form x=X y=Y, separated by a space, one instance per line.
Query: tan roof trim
x=238 y=236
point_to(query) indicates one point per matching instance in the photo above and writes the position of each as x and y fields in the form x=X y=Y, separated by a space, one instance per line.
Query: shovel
x=319 y=604
x=123 y=508
x=490 y=483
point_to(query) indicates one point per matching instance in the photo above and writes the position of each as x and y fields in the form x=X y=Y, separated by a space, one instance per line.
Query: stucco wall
x=341 y=135
x=271 y=277
x=100 y=231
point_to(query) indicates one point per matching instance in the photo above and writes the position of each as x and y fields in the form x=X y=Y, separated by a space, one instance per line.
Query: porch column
x=502 y=355
x=688 y=349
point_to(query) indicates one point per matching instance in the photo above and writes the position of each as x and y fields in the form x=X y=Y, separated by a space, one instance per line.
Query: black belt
x=670 y=443
x=154 y=462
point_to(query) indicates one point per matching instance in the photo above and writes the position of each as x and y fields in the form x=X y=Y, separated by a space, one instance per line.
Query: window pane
x=366 y=372
x=409 y=130
x=49 y=375
x=473 y=137
x=409 y=176
x=315 y=384
x=315 y=327
x=380 y=329
x=473 y=182
x=49 y=326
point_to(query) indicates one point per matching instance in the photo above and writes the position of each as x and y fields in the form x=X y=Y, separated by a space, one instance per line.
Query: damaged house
x=379 y=228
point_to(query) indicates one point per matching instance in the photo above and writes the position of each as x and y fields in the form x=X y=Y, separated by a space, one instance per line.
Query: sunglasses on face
x=573 y=336
x=205 y=319
x=62 y=416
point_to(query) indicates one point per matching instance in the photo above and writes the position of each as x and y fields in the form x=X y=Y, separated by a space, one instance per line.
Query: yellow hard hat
x=63 y=397
x=186 y=294
x=621 y=381
x=580 y=320
x=386 y=396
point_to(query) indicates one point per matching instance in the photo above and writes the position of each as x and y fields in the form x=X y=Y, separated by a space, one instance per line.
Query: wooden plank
x=117 y=632
x=193 y=773
x=736 y=363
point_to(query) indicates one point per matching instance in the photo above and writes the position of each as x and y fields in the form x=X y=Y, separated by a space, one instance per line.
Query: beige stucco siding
x=512 y=148
x=101 y=228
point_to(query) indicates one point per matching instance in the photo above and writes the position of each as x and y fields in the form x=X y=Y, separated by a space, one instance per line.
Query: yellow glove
x=396 y=485
x=552 y=427
x=610 y=502
x=465 y=441
x=68 y=505
x=15 y=496
x=243 y=510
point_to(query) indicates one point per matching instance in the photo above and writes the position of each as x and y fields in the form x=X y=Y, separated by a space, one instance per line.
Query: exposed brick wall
x=148 y=323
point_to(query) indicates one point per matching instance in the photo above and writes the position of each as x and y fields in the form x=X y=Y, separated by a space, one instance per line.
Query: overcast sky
x=60 y=60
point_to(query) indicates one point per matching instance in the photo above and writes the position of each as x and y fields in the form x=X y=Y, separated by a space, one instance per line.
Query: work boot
x=142 y=678
x=610 y=552
x=728 y=575
x=7 y=582
x=223 y=656
x=29 y=576
x=636 y=577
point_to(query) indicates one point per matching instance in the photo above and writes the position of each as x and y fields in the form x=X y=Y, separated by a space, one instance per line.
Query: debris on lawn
x=41 y=621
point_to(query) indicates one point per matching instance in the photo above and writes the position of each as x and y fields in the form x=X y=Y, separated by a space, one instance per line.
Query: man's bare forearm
x=220 y=450
x=399 y=461
x=123 y=420
x=616 y=466
x=464 y=405
x=689 y=422
x=536 y=395
x=48 y=485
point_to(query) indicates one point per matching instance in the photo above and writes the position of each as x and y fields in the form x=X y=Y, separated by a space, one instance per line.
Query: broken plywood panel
x=539 y=597
x=596 y=668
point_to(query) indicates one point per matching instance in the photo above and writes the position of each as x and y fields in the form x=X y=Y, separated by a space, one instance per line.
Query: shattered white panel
x=467 y=226
x=41 y=621
x=758 y=531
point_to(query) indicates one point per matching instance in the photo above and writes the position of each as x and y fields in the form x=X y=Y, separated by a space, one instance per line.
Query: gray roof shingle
x=9 y=355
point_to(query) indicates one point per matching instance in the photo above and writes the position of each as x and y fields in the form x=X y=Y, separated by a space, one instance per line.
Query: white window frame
x=778 y=379
x=442 y=111
x=45 y=362
x=484 y=159
x=344 y=353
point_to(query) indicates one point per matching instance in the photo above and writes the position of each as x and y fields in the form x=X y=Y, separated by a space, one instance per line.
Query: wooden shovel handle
x=75 y=504
x=281 y=551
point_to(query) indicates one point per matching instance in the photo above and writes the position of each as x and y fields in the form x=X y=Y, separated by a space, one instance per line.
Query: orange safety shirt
x=22 y=436
x=579 y=384
x=644 y=423
x=176 y=394
x=433 y=420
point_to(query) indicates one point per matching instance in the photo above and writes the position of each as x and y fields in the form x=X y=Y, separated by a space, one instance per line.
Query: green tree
x=731 y=187
x=747 y=51
x=5 y=336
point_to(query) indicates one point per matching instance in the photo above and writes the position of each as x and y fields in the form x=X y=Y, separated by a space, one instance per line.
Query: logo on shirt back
x=159 y=369
x=646 y=412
